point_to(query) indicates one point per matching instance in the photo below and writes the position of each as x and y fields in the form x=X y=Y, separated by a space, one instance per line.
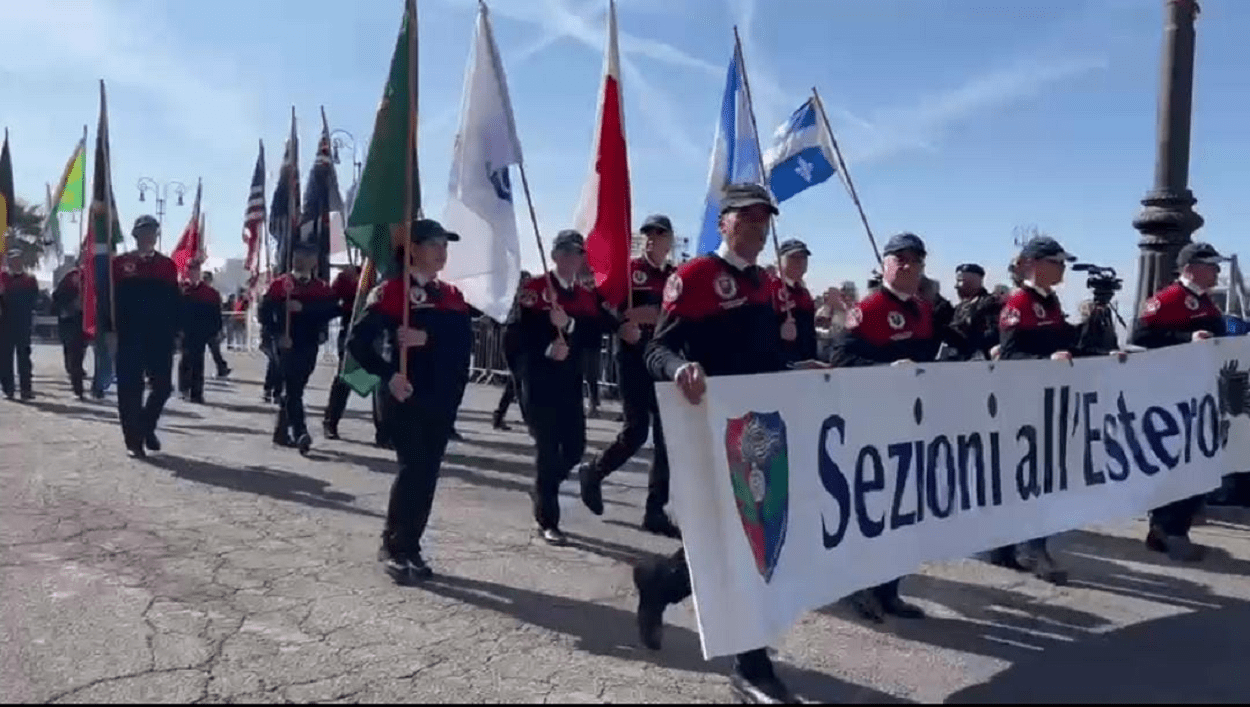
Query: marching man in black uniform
x=67 y=301
x=1032 y=325
x=344 y=287
x=20 y=291
x=510 y=348
x=1177 y=314
x=308 y=304
x=554 y=336
x=893 y=325
x=421 y=402
x=718 y=319
x=201 y=321
x=147 y=304
x=975 y=323
x=649 y=273
x=794 y=303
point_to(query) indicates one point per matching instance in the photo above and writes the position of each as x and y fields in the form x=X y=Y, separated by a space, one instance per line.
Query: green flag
x=391 y=164
x=74 y=181
x=383 y=198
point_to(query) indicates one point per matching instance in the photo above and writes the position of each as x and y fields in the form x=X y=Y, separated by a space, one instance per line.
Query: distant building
x=231 y=276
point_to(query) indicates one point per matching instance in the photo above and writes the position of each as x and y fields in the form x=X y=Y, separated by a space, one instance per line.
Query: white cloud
x=921 y=125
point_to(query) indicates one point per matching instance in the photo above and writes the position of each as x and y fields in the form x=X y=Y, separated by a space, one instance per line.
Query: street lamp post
x=340 y=139
x=161 y=193
x=1168 y=220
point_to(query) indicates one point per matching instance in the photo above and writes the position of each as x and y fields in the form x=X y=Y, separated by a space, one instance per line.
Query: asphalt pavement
x=224 y=569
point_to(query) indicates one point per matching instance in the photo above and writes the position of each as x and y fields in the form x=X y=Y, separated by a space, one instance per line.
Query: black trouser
x=511 y=389
x=1177 y=518
x=15 y=345
x=642 y=415
x=191 y=368
x=297 y=365
x=505 y=399
x=142 y=359
x=667 y=580
x=214 y=347
x=273 y=369
x=420 y=433
x=592 y=369
x=557 y=421
x=339 y=391
x=73 y=350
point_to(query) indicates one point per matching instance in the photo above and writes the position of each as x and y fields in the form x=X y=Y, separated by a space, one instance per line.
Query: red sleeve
x=387 y=299
x=689 y=292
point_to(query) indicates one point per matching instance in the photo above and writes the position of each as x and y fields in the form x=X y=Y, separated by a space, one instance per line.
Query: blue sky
x=960 y=120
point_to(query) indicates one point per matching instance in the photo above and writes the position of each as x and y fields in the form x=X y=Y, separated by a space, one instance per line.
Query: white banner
x=795 y=489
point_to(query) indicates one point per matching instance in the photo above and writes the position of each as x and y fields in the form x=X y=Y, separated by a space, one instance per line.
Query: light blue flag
x=735 y=152
x=802 y=154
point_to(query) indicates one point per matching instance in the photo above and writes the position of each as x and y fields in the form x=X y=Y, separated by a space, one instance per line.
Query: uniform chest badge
x=1039 y=311
x=129 y=267
x=1152 y=305
x=725 y=286
x=640 y=277
x=528 y=298
x=672 y=289
x=417 y=295
x=895 y=320
x=1191 y=303
x=1011 y=316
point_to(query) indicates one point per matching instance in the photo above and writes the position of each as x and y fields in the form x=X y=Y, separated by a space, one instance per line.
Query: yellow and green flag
x=69 y=192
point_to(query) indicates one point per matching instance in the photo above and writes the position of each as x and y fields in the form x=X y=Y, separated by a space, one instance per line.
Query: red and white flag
x=254 y=222
x=604 y=214
x=190 y=248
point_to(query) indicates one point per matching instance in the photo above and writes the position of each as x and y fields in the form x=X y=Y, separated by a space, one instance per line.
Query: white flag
x=486 y=263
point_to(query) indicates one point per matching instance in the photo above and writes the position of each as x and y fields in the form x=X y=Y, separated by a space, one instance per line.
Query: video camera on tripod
x=1102 y=281
x=1098 y=332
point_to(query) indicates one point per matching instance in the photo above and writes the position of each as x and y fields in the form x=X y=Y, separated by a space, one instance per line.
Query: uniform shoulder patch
x=854 y=317
x=376 y=295
x=672 y=288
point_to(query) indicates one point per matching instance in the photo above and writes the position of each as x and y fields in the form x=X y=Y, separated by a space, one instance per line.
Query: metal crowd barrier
x=487 y=366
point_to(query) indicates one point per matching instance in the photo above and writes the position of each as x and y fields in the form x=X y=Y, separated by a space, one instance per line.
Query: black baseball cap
x=905 y=241
x=972 y=268
x=1040 y=247
x=657 y=222
x=143 y=222
x=427 y=229
x=793 y=245
x=741 y=196
x=569 y=239
x=1199 y=254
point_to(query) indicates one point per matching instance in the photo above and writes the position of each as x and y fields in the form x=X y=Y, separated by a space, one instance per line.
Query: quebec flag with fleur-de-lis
x=801 y=155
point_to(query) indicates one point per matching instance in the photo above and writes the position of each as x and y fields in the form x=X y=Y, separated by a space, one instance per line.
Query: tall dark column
x=1168 y=219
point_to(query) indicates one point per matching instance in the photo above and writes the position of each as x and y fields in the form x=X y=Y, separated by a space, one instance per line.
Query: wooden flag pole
x=846 y=175
x=292 y=225
x=410 y=157
x=538 y=239
x=108 y=210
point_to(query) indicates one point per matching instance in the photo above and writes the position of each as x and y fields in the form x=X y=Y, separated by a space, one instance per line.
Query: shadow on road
x=274 y=483
x=103 y=411
x=1135 y=550
x=609 y=631
x=1060 y=654
x=607 y=549
x=1190 y=658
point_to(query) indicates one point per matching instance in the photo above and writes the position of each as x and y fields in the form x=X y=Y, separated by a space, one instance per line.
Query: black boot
x=651 y=607
x=592 y=488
